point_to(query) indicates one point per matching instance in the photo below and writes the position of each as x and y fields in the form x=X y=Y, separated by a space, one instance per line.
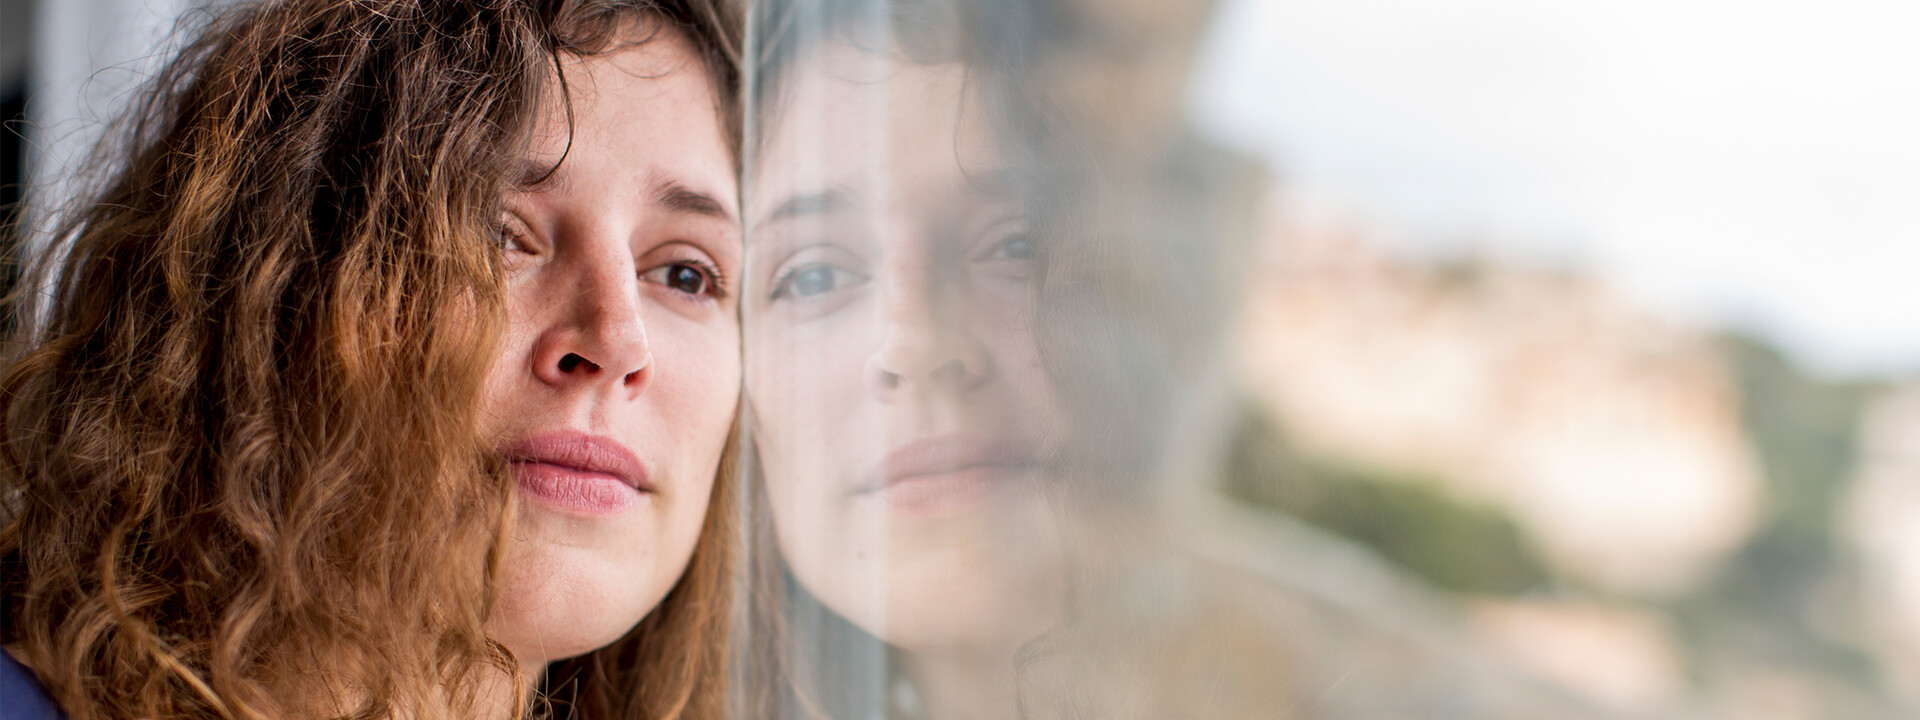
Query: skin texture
x=611 y=335
x=888 y=305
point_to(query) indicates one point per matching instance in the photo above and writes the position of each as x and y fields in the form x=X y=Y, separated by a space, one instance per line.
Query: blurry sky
x=1745 y=163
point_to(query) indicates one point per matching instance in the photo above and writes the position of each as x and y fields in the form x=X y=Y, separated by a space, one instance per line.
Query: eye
x=510 y=236
x=689 y=277
x=1015 y=247
x=805 y=281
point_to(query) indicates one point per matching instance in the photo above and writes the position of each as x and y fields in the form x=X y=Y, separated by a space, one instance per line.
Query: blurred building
x=1613 y=437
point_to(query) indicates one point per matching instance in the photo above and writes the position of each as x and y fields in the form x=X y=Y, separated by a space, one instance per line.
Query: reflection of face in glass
x=618 y=378
x=900 y=409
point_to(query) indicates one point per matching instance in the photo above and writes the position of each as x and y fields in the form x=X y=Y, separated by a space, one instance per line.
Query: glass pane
x=1283 y=359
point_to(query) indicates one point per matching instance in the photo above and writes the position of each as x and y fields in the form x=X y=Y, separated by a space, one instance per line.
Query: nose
x=927 y=343
x=597 y=336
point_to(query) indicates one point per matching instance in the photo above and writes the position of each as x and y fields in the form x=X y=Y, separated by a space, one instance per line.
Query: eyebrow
x=533 y=176
x=680 y=198
x=819 y=203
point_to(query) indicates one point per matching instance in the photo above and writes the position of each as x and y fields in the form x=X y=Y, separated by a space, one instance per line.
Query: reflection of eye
x=1015 y=247
x=805 y=281
x=687 y=276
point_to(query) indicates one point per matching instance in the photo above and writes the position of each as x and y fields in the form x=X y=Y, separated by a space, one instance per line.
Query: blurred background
x=1594 y=320
x=1581 y=335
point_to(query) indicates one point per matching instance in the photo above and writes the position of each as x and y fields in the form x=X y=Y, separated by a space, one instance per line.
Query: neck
x=963 y=685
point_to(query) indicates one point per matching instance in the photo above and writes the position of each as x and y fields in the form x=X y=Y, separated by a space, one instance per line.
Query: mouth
x=946 y=473
x=577 y=472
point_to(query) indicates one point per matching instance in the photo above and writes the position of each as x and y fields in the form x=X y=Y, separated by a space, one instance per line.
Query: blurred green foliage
x=1805 y=431
x=1407 y=520
x=1787 y=598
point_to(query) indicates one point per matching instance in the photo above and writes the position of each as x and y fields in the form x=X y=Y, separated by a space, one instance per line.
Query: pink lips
x=587 y=474
x=946 y=473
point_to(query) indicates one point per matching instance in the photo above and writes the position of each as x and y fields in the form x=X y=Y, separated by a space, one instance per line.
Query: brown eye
x=685 y=277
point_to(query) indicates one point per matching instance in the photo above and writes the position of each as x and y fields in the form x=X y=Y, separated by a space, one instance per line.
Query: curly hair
x=241 y=468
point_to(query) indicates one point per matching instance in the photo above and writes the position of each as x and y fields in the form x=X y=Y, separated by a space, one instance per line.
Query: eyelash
x=505 y=238
x=778 y=284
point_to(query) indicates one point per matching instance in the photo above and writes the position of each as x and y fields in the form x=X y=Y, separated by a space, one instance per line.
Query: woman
x=390 y=373
x=903 y=420
x=958 y=392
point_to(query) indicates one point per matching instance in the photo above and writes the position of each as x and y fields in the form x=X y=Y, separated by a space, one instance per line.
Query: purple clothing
x=20 y=695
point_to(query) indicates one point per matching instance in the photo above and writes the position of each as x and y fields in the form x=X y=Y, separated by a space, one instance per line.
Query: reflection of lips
x=584 y=473
x=946 y=473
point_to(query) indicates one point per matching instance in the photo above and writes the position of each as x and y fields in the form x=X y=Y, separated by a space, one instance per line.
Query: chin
x=561 y=602
x=1005 y=606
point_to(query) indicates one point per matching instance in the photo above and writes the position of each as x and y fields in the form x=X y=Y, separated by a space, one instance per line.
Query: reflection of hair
x=1127 y=306
x=799 y=658
x=240 y=465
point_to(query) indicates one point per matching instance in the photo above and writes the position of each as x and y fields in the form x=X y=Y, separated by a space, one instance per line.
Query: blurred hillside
x=1652 y=514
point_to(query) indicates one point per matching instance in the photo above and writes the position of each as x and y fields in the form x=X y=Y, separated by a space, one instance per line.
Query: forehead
x=644 y=111
x=865 y=120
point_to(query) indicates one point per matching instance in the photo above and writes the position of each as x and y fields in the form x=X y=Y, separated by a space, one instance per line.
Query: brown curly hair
x=241 y=472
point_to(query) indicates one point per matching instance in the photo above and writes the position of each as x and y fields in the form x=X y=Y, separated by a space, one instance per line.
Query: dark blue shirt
x=20 y=695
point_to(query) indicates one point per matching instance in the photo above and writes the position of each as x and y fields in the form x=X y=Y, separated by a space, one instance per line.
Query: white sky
x=1750 y=163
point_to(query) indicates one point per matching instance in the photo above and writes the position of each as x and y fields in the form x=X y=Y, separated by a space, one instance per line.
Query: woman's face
x=897 y=398
x=619 y=376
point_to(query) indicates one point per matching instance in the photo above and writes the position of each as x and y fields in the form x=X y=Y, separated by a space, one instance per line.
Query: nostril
x=573 y=360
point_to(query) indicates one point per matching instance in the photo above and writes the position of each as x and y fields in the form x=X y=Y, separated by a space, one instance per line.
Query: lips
x=946 y=473
x=587 y=474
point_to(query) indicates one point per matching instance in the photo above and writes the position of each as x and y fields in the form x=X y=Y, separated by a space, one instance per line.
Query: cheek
x=810 y=428
x=805 y=378
x=834 y=548
x=798 y=480
x=811 y=415
x=507 y=372
x=698 y=388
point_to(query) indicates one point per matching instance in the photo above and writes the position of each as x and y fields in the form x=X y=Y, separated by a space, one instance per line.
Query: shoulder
x=21 y=697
